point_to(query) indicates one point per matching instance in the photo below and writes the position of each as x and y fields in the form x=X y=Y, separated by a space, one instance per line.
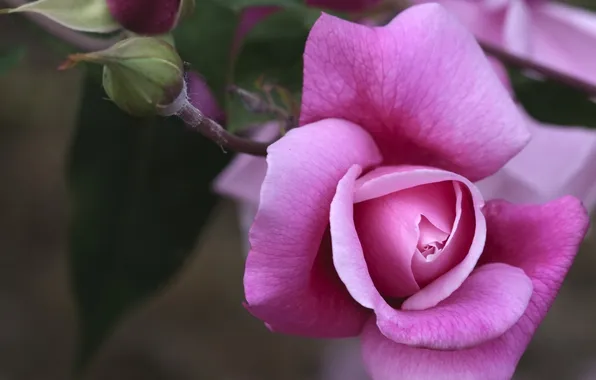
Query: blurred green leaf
x=10 y=58
x=240 y=4
x=552 y=102
x=205 y=39
x=140 y=194
x=272 y=52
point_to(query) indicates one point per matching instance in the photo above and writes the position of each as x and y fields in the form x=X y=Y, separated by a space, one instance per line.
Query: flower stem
x=195 y=119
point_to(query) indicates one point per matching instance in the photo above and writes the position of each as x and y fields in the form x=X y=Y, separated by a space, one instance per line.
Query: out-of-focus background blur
x=195 y=328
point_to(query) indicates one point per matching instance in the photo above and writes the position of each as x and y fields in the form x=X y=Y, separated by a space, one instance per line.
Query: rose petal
x=487 y=304
x=541 y=240
x=464 y=319
x=386 y=180
x=427 y=269
x=202 y=97
x=556 y=35
x=501 y=72
x=561 y=43
x=241 y=180
x=289 y=282
x=557 y=161
x=581 y=18
x=388 y=232
x=421 y=86
x=517 y=27
x=484 y=19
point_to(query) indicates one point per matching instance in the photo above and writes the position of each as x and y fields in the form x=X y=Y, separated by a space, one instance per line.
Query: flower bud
x=149 y=17
x=142 y=75
x=81 y=15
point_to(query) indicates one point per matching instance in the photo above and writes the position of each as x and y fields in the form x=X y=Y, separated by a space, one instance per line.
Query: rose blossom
x=369 y=223
x=554 y=34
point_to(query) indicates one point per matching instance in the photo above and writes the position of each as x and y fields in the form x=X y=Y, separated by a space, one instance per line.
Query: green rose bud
x=142 y=75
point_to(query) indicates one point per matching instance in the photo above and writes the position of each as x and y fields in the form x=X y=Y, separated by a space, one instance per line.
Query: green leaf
x=552 y=102
x=140 y=194
x=241 y=4
x=10 y=58
x=273 y=52
x=81 y=15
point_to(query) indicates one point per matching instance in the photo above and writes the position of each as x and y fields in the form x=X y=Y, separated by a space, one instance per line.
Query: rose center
x=431 y=239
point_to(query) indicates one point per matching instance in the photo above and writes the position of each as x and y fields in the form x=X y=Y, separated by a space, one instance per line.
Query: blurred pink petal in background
x=558 y=161
x=558 y=35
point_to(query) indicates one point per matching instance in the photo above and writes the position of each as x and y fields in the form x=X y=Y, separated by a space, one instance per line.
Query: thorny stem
x=195 y=119
x=79 y=40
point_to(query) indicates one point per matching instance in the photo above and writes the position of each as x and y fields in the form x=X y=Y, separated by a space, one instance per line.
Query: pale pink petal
x=241 y=180
x=484 y=307
x=557 y=161
x=289 y=279
x=517 y=27
x=387 y=180
x=541 y=240
x=202 y=97
x=578 y=17
x=483 y=18
x=501 y=72
x=421 y=86
x=561 y=44
x=387 y=227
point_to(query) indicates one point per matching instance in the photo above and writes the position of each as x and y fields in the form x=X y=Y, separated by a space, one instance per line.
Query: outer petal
x=487 y=304
x=557 y=161
x=541 y=240
x=517 y=27
x=565 y=39
x=241 y=180
x=289 y=282
x=485 y=20
x=421 y=86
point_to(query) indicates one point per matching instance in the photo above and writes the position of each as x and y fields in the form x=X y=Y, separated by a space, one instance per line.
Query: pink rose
x=554 y=34
x=369 y=223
